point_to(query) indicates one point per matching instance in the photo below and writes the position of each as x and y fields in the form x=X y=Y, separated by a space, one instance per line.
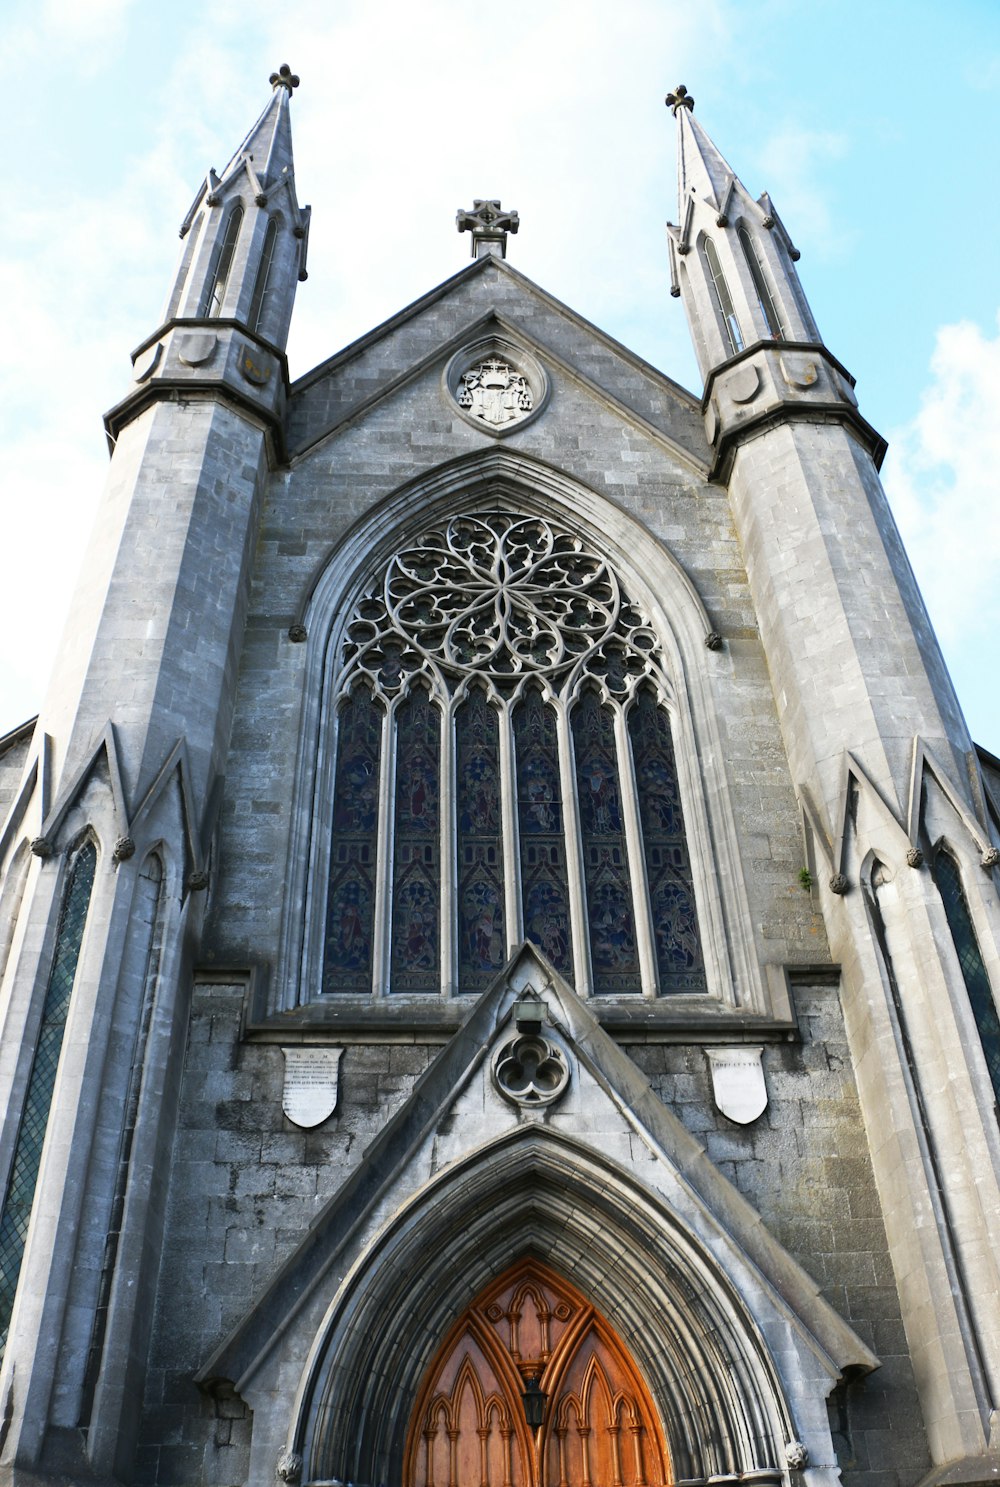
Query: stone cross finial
x=284 y=78
x=679 y=98
x=489 y=225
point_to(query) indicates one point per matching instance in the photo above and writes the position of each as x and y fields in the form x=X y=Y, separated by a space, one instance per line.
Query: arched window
x=222 y=262
x=765 y=299
x=141 y=961
x=723 y=298
x=504 y=770
x=977 y=981
x=20 y=1194
x=262 y=283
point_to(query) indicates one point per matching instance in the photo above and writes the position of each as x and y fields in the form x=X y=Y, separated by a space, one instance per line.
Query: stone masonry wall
x=246 y=1184
x=805 y=1167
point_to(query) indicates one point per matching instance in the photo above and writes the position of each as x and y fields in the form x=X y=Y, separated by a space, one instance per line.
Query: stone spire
x=731 y=259
x=245 y=234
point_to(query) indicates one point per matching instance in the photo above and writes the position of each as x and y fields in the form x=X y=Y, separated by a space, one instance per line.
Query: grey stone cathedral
x=499 y=922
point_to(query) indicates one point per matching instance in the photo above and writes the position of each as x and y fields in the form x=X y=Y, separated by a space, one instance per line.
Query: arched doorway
x=599 y=1425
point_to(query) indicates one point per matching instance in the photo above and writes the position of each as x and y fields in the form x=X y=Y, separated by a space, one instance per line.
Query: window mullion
x=583 y=975
x=641 y=906
x=449 y=852
x=510 y=833
x=384 y=855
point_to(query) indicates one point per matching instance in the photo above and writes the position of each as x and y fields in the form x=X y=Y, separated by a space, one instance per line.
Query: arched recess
x=536 y=1197
x=505 y=481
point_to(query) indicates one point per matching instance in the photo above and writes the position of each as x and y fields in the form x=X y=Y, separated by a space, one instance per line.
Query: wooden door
x=600 y=1427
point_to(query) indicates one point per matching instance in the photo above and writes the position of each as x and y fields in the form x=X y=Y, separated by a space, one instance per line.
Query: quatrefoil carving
x=530 y=1070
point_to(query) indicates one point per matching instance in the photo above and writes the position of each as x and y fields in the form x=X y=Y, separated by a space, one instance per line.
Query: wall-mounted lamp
x=535 y=1400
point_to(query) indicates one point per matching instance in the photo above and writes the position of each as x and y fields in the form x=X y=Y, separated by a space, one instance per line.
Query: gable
x=429 y=331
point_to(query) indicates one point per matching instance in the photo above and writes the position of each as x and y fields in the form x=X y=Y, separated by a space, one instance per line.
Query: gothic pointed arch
x=532 y=1330
x=508 y=589
x=656 y=1335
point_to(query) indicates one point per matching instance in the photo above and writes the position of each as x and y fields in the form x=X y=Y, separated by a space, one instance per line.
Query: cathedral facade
x=498 y=917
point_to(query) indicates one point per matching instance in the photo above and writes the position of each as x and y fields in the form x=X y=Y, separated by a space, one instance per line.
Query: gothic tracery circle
x=500 y=596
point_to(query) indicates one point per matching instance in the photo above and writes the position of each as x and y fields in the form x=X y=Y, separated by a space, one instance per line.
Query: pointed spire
x=245 y=235
x=732 y=261
x=700 y=167
x=267 y=149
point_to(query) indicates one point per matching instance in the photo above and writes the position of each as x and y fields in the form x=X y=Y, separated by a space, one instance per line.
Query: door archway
x=469 y=1427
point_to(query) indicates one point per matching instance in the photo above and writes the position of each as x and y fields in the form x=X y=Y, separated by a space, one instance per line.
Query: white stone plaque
x=738 y=1082
x=312 y=1076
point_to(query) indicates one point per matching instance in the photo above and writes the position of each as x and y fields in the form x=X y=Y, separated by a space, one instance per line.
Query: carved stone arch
x=501 y=480
x=709 y=1370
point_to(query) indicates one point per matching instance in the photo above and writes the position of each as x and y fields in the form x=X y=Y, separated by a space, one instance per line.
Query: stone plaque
x=738 y=1082
x=799 y=371
x=147 y=362
x=196 y=348
x=311 y=1081
x=254 y=367
x=743 y=383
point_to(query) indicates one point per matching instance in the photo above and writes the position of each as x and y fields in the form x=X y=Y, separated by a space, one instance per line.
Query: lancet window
x=262 y=289
x=723 y=298
x=503 y=770
x=222 y=262
x=20 y=1194
x=765 y=299
x=970 y=958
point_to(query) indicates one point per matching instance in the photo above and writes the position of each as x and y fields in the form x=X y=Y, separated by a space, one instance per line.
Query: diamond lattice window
x=505 y=771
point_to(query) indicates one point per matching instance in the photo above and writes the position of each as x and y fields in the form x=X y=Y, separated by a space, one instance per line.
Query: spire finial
x=679 y=98
x=489 y=225
x=284 y=78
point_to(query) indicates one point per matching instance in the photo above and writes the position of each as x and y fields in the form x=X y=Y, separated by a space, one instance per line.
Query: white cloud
x=942 y=477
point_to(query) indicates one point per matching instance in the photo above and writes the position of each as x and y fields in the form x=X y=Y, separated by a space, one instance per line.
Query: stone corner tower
x=896 y=818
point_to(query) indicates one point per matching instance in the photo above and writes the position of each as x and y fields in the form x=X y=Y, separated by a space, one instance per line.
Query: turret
x=733 y=265
x=244 y=234
x=118 y=807
x=897 y=836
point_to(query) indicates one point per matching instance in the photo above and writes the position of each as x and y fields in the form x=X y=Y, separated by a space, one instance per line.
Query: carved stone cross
x=489 y=225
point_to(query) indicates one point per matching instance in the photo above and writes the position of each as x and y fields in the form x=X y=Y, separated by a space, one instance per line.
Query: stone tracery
x=500 y=652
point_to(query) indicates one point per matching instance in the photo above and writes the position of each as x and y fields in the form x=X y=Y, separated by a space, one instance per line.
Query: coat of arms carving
x=495 y=392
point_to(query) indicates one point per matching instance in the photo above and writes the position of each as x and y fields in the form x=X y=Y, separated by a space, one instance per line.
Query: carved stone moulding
x=497 y=385
x=530 y=1070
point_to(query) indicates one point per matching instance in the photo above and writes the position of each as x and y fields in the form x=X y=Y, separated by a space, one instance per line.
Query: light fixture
x=535 y=1400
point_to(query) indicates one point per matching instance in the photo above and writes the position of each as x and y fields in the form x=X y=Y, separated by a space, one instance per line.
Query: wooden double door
x=599 y=1427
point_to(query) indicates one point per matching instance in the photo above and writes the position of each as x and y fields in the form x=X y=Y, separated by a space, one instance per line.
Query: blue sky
x=873 y=125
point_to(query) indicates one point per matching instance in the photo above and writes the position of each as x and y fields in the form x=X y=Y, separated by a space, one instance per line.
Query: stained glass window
x=20 y=1194
x=544 y=884
x=350 y=910
x=482 y=939
x=977 y=981
x=613 y=953
x=483 y=659
x=668 y=867
x=416 y=885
